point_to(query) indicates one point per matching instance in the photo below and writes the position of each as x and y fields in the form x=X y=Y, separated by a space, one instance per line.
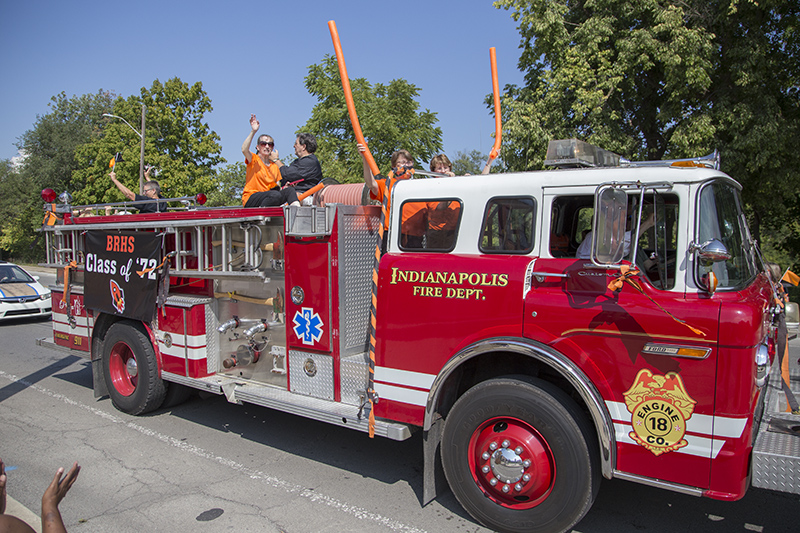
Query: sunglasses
x=265 y=143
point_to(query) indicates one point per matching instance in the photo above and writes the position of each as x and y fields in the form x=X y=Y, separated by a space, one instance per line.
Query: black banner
x=112 y=280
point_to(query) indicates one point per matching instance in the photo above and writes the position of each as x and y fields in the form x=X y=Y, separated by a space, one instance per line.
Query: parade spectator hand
x=60 y=486
x=51 y=516
x=273 y=156
x=3 y=480
x=361 y=148
x=254 y=124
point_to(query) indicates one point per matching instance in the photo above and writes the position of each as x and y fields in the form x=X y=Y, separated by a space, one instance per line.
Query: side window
x=430 y=225
x=656 y=254
x=570 y=224
x=508 y=225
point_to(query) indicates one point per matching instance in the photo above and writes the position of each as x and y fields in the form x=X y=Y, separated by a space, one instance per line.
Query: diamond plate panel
x=359 y=228
x=355 y=373
x=776 y=455
x=212 y=341
x=318 y=385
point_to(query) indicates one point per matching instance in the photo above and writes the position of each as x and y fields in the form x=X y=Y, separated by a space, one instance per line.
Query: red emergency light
x=49 y=195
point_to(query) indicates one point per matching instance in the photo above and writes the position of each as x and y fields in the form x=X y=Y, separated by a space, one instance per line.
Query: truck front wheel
x=519 y=455
x=130 y=369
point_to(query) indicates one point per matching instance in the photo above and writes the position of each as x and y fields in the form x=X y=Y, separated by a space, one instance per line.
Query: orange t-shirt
x=260 y=177
x=442 y=216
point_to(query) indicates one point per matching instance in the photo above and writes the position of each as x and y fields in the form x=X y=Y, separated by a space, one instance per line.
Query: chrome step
x=238 y=391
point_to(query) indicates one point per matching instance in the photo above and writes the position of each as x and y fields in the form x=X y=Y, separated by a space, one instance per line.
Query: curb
x=14 y=508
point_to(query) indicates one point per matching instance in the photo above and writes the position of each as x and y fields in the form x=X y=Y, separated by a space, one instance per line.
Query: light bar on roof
x=575 y=153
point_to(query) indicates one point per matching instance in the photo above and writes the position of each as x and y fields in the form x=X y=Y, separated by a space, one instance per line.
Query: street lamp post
x=141 y=137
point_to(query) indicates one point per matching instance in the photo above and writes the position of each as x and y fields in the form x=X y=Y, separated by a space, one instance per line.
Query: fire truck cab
x=543 y=329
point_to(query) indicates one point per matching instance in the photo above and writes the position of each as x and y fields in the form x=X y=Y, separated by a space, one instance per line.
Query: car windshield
x=14 y=274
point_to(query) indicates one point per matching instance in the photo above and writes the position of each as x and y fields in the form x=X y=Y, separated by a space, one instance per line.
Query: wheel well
x=495 y=364
x=102 y=324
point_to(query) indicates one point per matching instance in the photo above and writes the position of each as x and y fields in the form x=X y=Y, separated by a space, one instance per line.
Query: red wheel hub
x=123 y=369
x=512 y=463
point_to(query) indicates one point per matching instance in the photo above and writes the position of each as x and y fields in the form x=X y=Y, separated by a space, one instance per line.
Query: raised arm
x=123 y=189
x=254 y=125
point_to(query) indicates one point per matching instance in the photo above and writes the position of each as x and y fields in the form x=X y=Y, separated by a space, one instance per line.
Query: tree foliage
x=389 y=116
x=469 y=162
x=178 y=143
x=48 y=151
x=229 y=185
x=652 y=79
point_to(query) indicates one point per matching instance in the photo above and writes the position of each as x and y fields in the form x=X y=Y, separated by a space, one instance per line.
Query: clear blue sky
x=252 y=57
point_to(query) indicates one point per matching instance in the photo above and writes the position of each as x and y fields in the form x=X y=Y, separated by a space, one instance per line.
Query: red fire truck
x=533 y=365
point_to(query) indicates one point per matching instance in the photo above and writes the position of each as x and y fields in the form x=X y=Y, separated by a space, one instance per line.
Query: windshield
x=14 y=274
x=720 y=217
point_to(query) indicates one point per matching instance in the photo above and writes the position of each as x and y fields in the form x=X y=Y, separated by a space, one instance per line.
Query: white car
x=21 y=295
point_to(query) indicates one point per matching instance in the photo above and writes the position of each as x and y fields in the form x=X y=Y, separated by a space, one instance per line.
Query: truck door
x=648 y=347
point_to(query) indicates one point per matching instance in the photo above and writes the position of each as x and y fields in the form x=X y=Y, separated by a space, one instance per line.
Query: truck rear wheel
x=519 y=456
x=130 y=369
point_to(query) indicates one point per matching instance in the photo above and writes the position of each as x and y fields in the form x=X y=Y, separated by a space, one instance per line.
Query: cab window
x=571 y=225
x=508 y=225
x=430 y=225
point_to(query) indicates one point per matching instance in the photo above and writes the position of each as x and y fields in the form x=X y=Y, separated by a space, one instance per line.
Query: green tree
x=48 y=151
x=229 y=185
x=178 y=143
x=389 y=116
x=469 y=162
x=653 y=79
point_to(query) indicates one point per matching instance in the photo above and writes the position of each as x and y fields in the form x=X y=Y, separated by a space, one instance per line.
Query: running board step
x=279 y=399
x=776 y=453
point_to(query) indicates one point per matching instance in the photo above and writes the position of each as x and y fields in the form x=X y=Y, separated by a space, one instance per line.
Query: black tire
x=130 y=369
x=500 y=424
x=176 y=394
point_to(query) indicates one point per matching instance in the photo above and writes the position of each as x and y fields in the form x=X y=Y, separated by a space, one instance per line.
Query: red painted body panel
x=432 y=305
x=76 y=338
x=313 y=255
x=737 y=395
x=185 y=356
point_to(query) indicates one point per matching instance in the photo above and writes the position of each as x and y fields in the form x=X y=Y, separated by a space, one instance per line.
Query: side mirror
x=710 y=252
x=608 y=237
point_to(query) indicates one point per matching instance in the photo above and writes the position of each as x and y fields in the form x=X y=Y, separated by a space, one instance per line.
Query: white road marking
x=288 y=487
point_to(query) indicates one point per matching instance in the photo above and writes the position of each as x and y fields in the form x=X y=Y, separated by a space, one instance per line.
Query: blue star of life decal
x=307 y=325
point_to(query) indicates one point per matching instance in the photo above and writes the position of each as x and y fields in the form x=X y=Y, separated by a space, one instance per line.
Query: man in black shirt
x=305 y=171
x=152 y=191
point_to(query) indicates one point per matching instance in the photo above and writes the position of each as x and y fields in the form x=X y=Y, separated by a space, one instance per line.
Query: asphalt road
x=209 y=465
